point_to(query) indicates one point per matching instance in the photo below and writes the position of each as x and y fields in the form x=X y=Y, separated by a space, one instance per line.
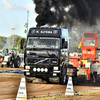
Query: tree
x=12 y=42
x=2 y=42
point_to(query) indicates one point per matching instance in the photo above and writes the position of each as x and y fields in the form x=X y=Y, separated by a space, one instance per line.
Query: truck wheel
x=63 y=79
x=29 y=79
x=75 y=80
x=99 y=77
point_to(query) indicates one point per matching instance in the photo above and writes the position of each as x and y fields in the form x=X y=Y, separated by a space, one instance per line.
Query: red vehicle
x=89 y=59
x=89 y=45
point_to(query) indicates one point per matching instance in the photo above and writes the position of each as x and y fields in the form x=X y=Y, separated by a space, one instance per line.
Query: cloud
x=7 y=5
x=29 y=7
x=11 y=5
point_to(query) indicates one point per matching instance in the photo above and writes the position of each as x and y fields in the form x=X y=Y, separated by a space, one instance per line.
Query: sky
x=13 y=14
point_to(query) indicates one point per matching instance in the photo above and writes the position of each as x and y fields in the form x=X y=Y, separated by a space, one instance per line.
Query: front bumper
x=41 y=72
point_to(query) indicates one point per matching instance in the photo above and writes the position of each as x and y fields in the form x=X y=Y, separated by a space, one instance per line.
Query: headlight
x=38 y=69
x=27 y=67
x=46 y=70
x=42 y=69
x=34 y=69
x=55 y=68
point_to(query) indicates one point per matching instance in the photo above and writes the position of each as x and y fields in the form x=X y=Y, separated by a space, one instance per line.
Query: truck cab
x=43 y=55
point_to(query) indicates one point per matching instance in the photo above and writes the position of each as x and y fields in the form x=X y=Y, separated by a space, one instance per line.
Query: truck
x=10 y=58
x=44 y=55
x=90 y=56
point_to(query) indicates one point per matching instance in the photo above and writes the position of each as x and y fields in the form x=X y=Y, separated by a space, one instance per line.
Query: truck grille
x=37 y=60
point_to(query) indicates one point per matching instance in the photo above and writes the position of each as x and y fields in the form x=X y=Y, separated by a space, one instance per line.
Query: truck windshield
x=88 y=42
x=43 y=42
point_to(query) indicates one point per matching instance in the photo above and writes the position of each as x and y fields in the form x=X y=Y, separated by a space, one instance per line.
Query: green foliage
x=2 y=41
x=11 y=42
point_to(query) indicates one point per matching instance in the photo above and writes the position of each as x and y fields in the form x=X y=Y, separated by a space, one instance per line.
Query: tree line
x=12 y=42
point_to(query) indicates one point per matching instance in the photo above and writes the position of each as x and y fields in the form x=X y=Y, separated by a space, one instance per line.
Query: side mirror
x=65 y=44
x=22 y=42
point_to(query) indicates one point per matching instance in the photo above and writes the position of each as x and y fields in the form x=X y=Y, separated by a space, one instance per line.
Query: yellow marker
x=80 y=44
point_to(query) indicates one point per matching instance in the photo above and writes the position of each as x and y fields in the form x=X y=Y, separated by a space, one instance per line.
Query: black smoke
x=53 y=12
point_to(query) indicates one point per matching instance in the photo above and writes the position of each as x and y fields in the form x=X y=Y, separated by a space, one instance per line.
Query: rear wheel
x=75 y=80
x=29 y=79
x=99 y=78
x=63 y=79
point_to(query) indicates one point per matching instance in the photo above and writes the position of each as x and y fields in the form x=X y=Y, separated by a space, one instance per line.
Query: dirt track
x=9 y=86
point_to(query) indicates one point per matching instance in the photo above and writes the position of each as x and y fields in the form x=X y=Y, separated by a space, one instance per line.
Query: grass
x=11 y=74
x=87 y=92
x=64 y=97
x=57 y=97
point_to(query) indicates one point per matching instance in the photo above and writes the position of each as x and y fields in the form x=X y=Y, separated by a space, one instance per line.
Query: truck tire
x=63 y=79
x=99 y=78
x=29 y=79
x=75 y=79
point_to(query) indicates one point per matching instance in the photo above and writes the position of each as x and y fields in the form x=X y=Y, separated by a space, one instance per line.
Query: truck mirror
x=65 y=44
x=22 y=42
